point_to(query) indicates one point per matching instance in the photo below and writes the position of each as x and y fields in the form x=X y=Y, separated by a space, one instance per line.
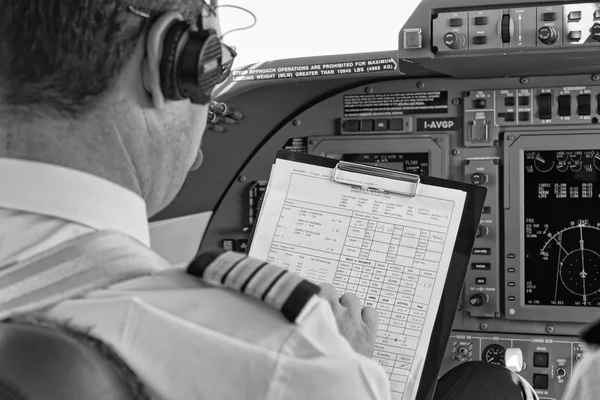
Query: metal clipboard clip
x=343 y=171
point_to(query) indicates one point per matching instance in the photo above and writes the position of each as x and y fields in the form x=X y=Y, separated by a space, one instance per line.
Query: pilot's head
x=81 y=86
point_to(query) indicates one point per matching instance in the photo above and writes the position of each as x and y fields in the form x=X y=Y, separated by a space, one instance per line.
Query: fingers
x=351 y=301
x=371 y=318
x=329 y=292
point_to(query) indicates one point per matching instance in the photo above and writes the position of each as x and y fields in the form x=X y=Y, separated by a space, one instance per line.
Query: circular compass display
x=562 y=229
x=578 y=262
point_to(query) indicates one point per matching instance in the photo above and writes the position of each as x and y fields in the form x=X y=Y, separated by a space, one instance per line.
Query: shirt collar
x=72 y=195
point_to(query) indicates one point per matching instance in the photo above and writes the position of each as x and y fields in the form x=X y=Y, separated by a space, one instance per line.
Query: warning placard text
x=364 y=105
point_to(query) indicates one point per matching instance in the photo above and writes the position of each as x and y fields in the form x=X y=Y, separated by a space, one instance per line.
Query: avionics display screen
x=561 y=196
x=414 y=163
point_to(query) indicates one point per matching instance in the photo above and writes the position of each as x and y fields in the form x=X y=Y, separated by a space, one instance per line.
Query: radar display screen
x=561 y=196
x=414 y=163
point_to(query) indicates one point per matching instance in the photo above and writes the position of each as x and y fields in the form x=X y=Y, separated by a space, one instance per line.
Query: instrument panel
x=528 y=132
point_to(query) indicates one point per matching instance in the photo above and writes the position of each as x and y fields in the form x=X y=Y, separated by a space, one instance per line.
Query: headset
x=189 y=58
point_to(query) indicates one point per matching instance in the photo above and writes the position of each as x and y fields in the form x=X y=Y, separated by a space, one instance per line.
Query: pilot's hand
x=358 y=326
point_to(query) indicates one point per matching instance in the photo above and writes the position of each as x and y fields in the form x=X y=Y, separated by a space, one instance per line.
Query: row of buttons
x=370 y=125
x=584 y=105
x=458 y=22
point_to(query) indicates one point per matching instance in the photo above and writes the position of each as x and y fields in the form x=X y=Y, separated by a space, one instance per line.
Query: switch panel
x=480 y=296
x=544 y=27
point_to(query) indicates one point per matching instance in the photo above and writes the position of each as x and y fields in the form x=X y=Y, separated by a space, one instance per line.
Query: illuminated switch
x=382 y=125
x=540 y=360
x=545 y=106
x=396 y=124
x=540 y=381
x=584 y=104
x=564 y=105
x=413 y=39
x=351 y=125
x=524 y=116
x=509 y=117
x=549 y=17
x=481 y=266
x=523 y=101
x=575 y=16
x=480 y=40
x=479 y=103
x=509 y=101
x=481 y=20
x=367 y=125
x=456 y=22
x=575 y=36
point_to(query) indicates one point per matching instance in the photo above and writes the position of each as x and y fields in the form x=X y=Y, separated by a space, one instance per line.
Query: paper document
x=392 y=250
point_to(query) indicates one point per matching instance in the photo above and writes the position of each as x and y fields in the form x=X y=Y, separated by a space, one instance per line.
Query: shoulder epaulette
x=271 y=284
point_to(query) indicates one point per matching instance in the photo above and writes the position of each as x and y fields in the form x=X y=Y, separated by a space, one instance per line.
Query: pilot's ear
x=154 y=50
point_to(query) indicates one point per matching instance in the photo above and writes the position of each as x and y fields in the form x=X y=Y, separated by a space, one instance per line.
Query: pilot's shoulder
x=272 y=285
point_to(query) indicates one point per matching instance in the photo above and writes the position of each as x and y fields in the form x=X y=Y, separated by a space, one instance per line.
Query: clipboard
x=471 y=215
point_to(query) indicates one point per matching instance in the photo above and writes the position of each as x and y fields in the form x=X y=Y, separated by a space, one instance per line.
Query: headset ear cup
x=173 y=46
x=152 y=79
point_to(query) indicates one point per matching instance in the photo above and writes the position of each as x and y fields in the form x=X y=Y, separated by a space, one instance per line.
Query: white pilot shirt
x=186 y=341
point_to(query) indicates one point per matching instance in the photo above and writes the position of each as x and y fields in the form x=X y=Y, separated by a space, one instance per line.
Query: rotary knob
x=595 y=31
x=477 y=300
x=548 y=35
x=454 y=41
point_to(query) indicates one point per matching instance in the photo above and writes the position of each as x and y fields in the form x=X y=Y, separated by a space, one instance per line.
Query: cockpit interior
x=493 y=93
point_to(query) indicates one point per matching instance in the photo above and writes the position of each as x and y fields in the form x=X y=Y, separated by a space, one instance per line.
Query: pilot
x=89 y=142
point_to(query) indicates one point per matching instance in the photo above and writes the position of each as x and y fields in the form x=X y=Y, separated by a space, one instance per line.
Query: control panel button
x=584 y=104
x=482 y=251
x=540 y=359
x=479 y=131
x=549 y=17
x=382 y=125
x=481 y=266
x=480 y=281
x=396 y=124
x=548 y=35
x=509 y=117
x=564 y=105
x=540 y=381
x=480 y=40
x=487 y=210
x=523 y=101
x=561 y=373
x=545 y=106
x=574 y=36
x=481 y=20
x=511 y=284
x=367 y=125
x=574 y=16
x=456 y=22
x=479 y=178
x=477 y=300
x=351 y=125
x=524 y=116
x=479 y=103
x=509 y=101
x=511 y=298
x=454 y=41
x=511 y=270
x=413 y=39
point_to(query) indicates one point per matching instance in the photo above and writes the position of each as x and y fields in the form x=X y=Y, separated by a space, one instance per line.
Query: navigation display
x=562 y=231
x=414 y=163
